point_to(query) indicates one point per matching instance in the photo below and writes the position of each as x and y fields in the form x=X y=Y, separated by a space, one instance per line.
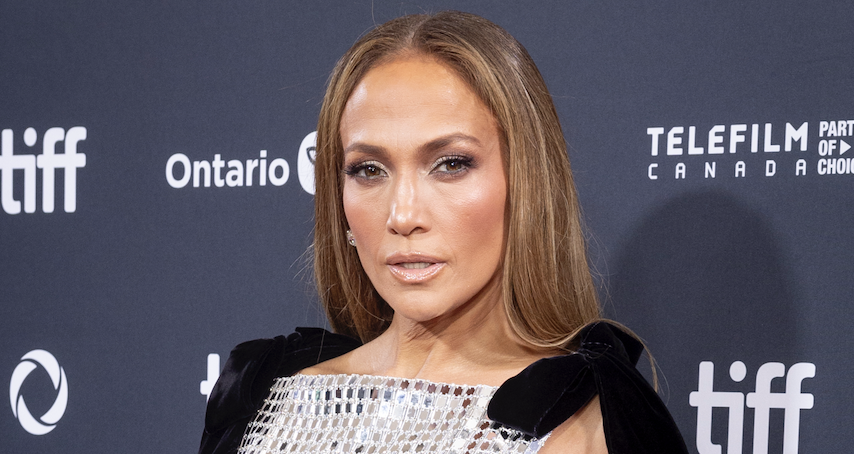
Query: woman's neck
x=474 y=345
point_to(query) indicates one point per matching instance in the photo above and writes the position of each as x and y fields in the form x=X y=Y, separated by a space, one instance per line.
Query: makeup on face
x=425 y=188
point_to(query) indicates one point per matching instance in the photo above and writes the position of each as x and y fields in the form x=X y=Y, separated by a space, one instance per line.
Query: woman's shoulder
x=249 y=372
x=545 y=395
x=259 y=361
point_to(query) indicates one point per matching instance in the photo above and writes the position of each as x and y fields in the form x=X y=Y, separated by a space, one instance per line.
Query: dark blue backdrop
x=722 y=259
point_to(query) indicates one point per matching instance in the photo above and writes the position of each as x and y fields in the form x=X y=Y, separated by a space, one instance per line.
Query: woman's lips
x=415 y=272
x=414 y=269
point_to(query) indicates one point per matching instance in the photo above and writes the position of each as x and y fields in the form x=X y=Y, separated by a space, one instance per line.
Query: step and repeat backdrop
x=156 y=180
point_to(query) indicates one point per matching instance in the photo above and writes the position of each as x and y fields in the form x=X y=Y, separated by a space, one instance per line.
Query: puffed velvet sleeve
x=551 y=390
x=248 y=375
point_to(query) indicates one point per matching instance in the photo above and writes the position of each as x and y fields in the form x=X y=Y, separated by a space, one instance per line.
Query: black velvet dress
x=535 y=401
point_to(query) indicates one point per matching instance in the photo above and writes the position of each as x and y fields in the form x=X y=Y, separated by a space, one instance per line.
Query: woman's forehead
x=413 y=98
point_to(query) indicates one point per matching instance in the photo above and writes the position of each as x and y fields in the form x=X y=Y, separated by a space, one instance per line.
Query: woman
x=448 y=241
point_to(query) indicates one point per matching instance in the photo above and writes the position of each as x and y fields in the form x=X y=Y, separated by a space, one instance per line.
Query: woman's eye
x=367 y=170
x=453 y=165
x=370 y=171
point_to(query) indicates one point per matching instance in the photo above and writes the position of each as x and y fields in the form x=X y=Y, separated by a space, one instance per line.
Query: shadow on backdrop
x=702 y=278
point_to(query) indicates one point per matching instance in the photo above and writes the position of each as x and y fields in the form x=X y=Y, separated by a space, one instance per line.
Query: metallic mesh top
x=369 y=414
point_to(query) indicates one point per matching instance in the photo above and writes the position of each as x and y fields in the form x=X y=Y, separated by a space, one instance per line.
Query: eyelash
x=360 y=169
x=465 y=161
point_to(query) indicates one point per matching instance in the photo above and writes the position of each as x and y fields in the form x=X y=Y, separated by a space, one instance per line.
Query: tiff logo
x=206 y=386
x=48 y=161
x=762 y=400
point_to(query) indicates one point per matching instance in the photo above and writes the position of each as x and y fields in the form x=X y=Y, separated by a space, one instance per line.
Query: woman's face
x=424 y=188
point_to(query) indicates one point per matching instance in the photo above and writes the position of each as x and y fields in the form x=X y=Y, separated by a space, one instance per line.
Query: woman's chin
x=422 y=314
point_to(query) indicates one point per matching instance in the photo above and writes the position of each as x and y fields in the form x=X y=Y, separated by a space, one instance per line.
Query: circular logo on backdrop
x=305 y=162
x=47 y=422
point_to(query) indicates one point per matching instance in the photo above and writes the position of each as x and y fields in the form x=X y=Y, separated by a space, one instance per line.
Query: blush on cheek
x=484 y=207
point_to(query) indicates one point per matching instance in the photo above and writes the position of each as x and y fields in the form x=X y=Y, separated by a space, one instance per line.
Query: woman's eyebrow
x=432 y=146
x=444 y=141
x=367 y=149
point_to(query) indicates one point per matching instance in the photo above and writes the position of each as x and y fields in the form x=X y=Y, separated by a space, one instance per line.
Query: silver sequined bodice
x=322 y=414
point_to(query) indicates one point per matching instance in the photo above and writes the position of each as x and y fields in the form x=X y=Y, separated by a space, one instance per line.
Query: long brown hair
x=547 y=287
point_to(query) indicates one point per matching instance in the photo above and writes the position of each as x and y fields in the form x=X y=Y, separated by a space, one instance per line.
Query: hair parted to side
x=547 y=287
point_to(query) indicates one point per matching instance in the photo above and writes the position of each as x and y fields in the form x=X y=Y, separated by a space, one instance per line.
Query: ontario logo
x=756 y=150
x=30 y=362
x=182 y=172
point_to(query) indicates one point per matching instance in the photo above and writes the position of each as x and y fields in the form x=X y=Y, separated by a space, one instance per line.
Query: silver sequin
x=324 y=414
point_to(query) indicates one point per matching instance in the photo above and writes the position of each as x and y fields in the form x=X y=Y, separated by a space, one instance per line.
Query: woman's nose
x=406 y=214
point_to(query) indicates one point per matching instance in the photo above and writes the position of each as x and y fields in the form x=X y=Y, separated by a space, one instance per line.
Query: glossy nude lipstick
x=413 y=268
